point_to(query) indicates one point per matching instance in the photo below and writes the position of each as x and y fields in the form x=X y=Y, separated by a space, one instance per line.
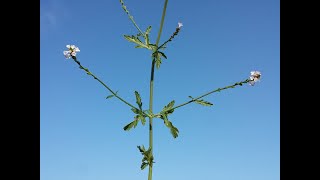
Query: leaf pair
x=140 y=115
x=168 y=109
x=135 y=39
x=147 y=157
x=157 y=58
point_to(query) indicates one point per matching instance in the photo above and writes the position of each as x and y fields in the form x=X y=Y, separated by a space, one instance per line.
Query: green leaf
x=138 y=99
x=135 y=110
x=143 y=165
x=147 y=40
x=130 y=125
x=162 y=54
x=148 y=30
x=110 y=96
x=135 y=40
x=141 y=149
x=169 y=106
x=204 y=103
x=158 y=63
x=173 y=130
x=142 y=119
x=153 y=46
x=166 y=121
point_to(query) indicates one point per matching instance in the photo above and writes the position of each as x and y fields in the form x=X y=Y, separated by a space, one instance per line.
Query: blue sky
x=220 y=42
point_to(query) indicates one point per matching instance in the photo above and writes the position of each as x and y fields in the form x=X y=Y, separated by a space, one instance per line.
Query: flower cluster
x=255 y=77
x=72 y=51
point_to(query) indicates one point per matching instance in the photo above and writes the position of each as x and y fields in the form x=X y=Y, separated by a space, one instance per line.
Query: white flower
x=255 y=77
x=180 y=25
x=67 y=54
x=72 y=51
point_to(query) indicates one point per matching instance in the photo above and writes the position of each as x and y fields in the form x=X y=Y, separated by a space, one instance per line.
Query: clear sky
x=221 y=41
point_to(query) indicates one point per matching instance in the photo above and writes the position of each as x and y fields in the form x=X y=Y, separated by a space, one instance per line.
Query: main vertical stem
x=151 y=90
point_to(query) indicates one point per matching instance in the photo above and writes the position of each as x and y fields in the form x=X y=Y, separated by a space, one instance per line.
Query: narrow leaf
x=138 y=99
x=130 y=125
x=204 y=103
x=148 y=30
x=110 y=96
x=162 y=54
x=143 y=165
x=141 y=149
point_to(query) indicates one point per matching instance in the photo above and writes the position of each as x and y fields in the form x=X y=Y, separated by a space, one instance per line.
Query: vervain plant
x=142 y=40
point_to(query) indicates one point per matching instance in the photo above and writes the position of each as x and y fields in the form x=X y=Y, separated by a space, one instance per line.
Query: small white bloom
x=77 y=49
x=67 y=54
x=180 y=24
x=72 y=51
x=255 y=77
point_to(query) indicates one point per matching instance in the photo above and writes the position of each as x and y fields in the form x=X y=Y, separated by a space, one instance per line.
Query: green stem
x=96 y=78
x=131 y=18
x=151 y=90
x=217 y=90
x=170 y=39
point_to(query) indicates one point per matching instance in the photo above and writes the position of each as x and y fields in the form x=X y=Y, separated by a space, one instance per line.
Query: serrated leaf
x=166 y=121
x=148 y=30
x=130 y=125
x=147 y=40
x=110 y=96
x=169 y=106
x=204 y=103
x=173 y=130
x=143 y=165
x=134 y=40
x=138 y=99
x=162 y=54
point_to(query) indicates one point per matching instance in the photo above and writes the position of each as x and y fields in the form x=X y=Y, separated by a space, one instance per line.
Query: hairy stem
x=96 y=78
x=151 y=89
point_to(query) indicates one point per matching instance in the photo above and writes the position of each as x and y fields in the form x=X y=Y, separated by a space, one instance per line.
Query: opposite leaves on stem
x=140 y=114
x=147 y=157
x=164 y=116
